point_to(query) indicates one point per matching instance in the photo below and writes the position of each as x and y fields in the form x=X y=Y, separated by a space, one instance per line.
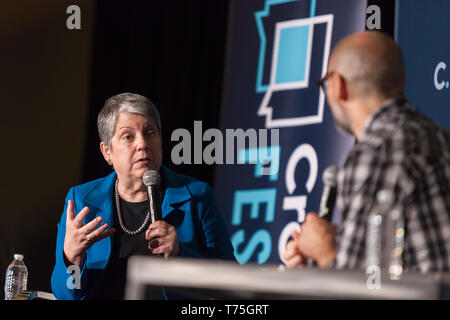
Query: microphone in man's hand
x=329 y=193
x=152 y=180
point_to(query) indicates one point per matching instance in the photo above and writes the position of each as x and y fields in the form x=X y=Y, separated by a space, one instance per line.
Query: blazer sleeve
x=214 y=241
x=68 y=282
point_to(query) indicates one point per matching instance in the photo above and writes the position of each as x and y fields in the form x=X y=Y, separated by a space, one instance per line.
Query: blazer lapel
x=176 y=195
x=101 y=197
x=100 y=201
x=176 y=206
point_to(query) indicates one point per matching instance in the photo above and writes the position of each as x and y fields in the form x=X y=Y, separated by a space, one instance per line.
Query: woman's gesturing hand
x=79 y=237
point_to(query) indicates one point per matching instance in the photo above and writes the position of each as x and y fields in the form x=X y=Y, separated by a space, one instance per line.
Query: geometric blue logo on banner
x=292 y=54
x=290 y=66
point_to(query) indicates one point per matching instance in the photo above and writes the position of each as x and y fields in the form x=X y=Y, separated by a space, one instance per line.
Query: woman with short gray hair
x=106 y=221
x=124 y=102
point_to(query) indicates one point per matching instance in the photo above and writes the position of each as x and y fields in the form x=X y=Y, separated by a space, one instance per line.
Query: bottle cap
x=18 y=256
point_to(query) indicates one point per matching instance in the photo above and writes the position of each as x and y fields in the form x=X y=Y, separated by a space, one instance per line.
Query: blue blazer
x=189 y=205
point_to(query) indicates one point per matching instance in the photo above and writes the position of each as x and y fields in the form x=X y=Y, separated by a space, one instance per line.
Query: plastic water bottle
x=385 y=235
x=16 y=278
x=377 y=223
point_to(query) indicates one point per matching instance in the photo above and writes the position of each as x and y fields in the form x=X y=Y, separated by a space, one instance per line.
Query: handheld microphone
x=152 y=180
x=328 y=199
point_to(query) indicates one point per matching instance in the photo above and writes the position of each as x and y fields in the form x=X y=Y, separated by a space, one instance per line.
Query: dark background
x=54 y=81
x=169 y=51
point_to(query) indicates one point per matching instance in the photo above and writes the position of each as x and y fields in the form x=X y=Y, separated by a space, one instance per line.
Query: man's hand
x=163 y=239
x=294 y=258
x=316 y=241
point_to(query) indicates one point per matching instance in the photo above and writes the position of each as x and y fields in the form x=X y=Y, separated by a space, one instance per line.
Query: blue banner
x=422 y=31
x=276 y=51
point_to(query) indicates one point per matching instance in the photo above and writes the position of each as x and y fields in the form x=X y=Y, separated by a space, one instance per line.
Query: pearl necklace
x=119 y=214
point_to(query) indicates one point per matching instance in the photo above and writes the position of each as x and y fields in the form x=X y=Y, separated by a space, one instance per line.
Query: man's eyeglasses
x=324 y=81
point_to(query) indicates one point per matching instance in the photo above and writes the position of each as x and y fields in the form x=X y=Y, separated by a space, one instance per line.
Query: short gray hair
x=124 y=102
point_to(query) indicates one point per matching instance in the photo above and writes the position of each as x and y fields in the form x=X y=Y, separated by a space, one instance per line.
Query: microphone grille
x=329 y=176
x=151 y=178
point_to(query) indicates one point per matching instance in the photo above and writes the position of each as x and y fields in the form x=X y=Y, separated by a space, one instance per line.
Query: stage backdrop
x=422 y=31
x=276 y=51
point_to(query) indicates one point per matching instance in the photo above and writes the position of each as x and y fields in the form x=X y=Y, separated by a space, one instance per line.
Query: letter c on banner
x=303 y=151
x=439 y=85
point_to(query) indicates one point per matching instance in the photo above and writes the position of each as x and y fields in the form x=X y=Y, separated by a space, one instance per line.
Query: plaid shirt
x=402 y=151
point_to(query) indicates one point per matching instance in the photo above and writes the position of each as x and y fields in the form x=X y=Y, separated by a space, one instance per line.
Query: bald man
x=398 y=149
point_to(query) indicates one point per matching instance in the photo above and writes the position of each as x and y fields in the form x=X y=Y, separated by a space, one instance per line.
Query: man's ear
x=342 y=88
x=106 y=152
